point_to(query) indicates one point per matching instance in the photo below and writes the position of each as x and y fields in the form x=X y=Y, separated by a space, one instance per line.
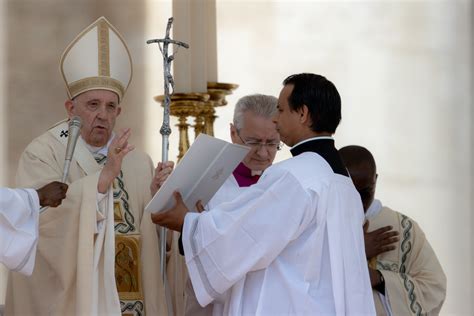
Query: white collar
x=256 y=172
x=312 y=138
x=374 y=209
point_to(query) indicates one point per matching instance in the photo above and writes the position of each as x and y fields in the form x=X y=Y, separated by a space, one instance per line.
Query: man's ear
x=233 y=133
x=69 y=106
x=304 y=115
x=119 y=110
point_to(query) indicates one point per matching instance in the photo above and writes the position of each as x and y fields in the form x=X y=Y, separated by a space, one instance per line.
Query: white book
x=203 y=169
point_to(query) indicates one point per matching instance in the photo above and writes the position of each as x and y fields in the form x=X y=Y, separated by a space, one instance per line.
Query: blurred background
x=403 y=68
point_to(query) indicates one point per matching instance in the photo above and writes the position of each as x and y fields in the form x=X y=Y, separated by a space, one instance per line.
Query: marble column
x=195 y=24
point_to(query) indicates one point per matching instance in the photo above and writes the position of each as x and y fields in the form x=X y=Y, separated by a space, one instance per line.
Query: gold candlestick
x=201 y=106
x=182 y=106
x=217 y=92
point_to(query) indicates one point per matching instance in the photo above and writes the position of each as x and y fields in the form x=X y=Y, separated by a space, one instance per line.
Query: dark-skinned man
x=405 y=274
x=19 y=215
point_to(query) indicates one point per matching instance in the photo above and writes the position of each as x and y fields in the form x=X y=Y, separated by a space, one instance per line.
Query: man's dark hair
x=354 y=156
x=320 y=96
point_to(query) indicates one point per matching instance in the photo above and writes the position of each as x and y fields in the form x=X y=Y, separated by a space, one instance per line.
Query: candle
x=211 y=41
x=195 y=24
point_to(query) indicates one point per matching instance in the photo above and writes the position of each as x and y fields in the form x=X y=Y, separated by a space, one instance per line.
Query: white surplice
x=229 y=190
x=19 y=212
x=290 y=244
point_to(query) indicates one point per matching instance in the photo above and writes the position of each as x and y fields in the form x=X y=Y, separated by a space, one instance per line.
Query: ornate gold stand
x=201 y=106
x=217 y=91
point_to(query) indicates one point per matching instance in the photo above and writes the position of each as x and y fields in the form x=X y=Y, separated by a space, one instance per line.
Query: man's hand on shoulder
x=52 y=194
x=118 y=149
x=379 y=241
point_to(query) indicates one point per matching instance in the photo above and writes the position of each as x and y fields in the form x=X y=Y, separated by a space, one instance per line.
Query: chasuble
x=415 y=283
x=97 y=255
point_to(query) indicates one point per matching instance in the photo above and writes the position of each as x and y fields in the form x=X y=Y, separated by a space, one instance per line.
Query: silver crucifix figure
x=165 y=130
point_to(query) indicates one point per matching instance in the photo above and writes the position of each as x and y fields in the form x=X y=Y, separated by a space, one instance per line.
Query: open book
x=201 y=172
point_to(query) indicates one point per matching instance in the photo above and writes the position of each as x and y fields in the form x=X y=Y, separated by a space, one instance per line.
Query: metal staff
x=165 y=130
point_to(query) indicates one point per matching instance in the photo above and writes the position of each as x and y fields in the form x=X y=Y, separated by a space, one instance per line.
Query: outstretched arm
x=52 y=194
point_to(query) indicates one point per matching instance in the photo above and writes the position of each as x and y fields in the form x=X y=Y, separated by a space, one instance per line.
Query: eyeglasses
x=257 y=145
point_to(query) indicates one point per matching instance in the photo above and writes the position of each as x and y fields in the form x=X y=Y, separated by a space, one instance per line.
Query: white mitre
x=97 y=58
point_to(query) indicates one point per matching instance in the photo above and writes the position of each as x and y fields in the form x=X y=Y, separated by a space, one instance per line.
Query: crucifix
x=165 y=130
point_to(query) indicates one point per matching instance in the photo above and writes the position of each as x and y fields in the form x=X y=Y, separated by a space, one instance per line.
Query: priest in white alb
x=97 y=253
x=19 y=213
x=291 y=244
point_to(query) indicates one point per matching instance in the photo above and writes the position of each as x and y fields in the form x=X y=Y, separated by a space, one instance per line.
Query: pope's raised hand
x=162 y=172
x=172 y=218
x=118 y=149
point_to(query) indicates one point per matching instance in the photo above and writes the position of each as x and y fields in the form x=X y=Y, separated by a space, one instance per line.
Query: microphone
x=74 y=131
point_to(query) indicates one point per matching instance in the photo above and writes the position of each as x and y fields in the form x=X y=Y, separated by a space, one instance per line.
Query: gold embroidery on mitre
x=127 y=267
x=103 y=30
x=94 y=83
x=104 y=52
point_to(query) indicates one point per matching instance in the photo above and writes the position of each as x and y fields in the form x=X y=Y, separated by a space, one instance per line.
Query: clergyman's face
x=286 y=120
x=257 y=129
x=365 y=181
x=98 y=110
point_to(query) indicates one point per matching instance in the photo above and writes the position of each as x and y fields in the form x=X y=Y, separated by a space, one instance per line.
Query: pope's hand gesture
x=118 y=149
